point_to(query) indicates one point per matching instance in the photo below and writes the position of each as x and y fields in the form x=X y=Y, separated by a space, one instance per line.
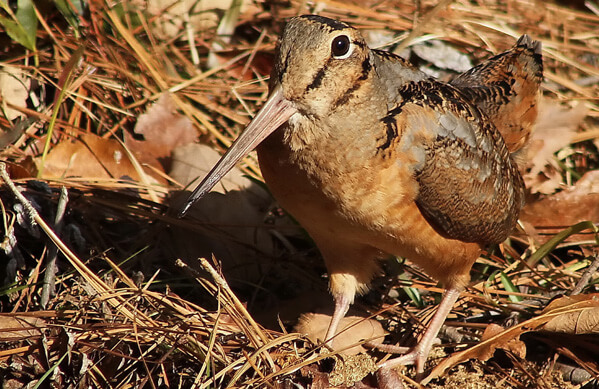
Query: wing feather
x=467 y=168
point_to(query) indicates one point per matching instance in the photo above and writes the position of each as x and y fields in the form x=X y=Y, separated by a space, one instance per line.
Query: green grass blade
x=63 y=83
x=22 y=26
x=71 y=15
x=559 y=238
x=509 y=286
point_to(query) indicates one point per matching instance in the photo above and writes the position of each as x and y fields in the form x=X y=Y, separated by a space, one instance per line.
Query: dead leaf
x=560 y=307
x=163 y=129
x=547 y=181
x=195 y=160
x=92 y=158
x=18 y=327
x=579 y=322
x=14 y=89
x=555 y=127
x=25 y=168
x=171 y=15
x=515 y=345
x=442 y=55
x=579 y=203
x=354 y=330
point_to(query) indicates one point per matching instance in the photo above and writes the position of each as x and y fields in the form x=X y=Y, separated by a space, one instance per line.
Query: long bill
x=276 y=111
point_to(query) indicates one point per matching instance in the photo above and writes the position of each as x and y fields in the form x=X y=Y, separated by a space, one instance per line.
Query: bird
x=374 y=157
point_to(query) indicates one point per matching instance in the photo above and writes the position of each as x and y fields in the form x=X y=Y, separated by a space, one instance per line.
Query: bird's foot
x=386 y=376
x=416 y=356
x=388 y=348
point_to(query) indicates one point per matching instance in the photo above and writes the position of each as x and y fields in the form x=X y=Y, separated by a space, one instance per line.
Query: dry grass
x=127 y=313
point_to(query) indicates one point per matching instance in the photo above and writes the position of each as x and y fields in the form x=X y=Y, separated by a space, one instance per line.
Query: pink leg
x=417 y=356
x=341 y=307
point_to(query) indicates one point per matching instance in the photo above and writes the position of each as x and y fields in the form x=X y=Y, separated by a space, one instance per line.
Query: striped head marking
x=320 y=63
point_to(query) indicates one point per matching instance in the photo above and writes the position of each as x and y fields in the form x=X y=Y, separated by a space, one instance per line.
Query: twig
x=416 y=31
x=222 y=283
x=586 y=277
x=50 y=276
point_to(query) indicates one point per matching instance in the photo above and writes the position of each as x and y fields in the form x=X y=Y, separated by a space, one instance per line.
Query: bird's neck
x=337 y=136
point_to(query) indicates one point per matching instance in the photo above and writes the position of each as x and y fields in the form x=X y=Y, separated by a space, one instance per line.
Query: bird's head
x=320 y=65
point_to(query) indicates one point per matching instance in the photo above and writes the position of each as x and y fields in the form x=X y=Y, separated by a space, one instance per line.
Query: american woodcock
x=374 y=157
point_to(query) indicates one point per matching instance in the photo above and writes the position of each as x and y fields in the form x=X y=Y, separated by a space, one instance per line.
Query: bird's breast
x=356 y=194
x=339 y=179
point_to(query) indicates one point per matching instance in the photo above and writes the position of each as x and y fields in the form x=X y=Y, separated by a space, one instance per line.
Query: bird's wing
x=506 y=88
x=469 y=188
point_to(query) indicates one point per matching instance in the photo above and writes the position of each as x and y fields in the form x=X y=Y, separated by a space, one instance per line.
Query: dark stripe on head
x=285 y=66
x=366 y=67
x=317 y=78
x=331 y=23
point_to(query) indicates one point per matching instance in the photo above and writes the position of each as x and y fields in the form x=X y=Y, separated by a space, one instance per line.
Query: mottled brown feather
x=467 y=169
x=506 y=88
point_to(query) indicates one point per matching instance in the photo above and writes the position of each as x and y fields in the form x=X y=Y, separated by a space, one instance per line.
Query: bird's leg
x=418 y=355
x=342 y=303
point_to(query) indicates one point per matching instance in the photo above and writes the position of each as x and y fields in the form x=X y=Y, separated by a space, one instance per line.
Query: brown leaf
x=25 y=168
x=354 y=330
x=585 y=321
x=14 y=89
x=19 y=327
x=195 y=160
x=554 y=130
x=205 y=15
x=92 y=158
x=515 y=345
x=560 y=307
x=573 y=205
x=163 y=129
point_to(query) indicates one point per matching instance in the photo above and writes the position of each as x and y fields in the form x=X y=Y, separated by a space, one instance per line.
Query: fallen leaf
x=442 y=55
x=354 y=330
x=560 y=307
x=25 y=168
x=163 y=129
x=515 y=345
x=19 y=327
x=14 y=89
x=585 y=321
x=554 y=130
x=549 y=215
x=92 y=158
x=171 y=15
x=195 y=160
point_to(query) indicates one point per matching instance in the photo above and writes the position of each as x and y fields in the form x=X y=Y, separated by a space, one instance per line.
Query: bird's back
x=506 y=88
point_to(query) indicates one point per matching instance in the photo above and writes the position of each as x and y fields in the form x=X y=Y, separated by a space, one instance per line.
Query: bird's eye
x=341 y=47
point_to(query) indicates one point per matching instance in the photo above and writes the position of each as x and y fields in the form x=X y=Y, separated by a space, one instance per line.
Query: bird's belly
x=372 y=204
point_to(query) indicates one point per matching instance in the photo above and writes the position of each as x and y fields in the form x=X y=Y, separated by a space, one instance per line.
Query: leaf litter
x=123 y=148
